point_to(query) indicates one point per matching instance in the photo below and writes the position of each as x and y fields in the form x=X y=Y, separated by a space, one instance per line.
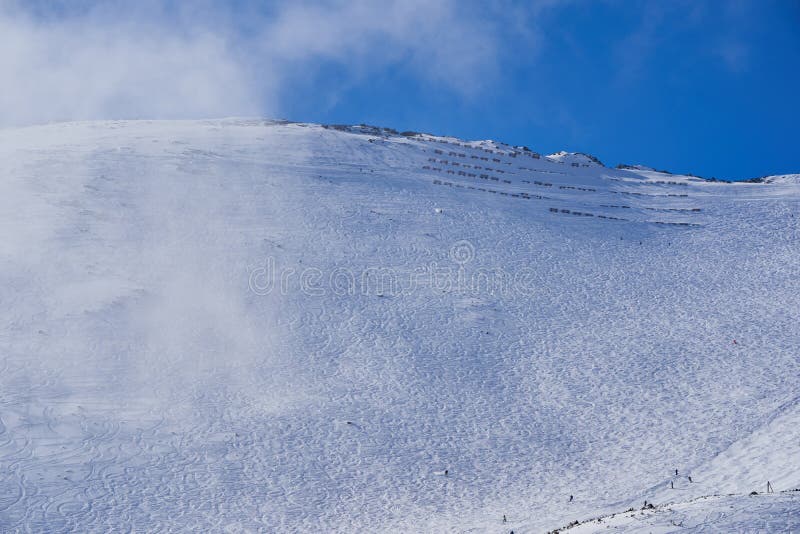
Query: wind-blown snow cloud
x=113 y=61
x=89 y=66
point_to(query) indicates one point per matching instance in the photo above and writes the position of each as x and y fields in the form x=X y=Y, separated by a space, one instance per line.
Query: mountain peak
x=576 y=159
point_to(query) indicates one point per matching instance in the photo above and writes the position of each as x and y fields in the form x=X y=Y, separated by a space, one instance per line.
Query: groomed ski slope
x=260 y=326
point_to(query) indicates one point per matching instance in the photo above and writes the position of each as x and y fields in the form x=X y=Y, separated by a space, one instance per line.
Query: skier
x=690 y=479
x=570 y=498
x=676 y=472
x=504 y=519
x=671 y=485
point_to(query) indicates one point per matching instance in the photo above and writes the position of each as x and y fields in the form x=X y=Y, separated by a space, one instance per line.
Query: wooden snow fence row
x=662 y=182
x=675 y=223
x=512 y=153
x=484 y=176
x=464 y=173
x=492 y=191
x=637 y=194
x=683 y=210
x=577 y=188
x=585 y=214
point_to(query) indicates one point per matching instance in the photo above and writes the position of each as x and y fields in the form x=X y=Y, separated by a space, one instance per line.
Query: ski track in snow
x=146 y=387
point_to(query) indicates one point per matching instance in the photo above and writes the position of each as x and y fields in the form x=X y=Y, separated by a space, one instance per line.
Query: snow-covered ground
x=725 y=513
x=238 y=326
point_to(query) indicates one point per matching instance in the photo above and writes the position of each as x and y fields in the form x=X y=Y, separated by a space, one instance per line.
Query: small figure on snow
x=676 y=472
x=690 y=479
x=446 y=472
x=504 y=519
x=570 y=498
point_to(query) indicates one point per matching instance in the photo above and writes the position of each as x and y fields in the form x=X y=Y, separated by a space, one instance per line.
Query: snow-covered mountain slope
x=262 y=326
x=790 y=179
x=716 y=513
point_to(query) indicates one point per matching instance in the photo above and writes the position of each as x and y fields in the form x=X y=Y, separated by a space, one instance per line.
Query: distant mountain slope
x=247 y=325
x=790 y=179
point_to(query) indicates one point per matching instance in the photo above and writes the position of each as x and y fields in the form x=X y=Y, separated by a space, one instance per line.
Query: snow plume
x=97 y=64
x=158 y=60
x=170 y=300
x=196 y=319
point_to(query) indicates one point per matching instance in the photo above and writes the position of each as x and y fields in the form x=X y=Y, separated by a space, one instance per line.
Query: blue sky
x=689 y=86
x=710 y=88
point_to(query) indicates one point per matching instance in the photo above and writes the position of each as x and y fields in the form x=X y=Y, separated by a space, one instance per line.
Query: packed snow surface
x=728 y=513
x=260 y=326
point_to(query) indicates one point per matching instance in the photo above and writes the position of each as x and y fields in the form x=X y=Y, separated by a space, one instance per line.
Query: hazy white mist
x=113 y=60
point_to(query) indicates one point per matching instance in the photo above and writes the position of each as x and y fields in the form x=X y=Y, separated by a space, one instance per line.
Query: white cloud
x=441 y=41
x=163 y=61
